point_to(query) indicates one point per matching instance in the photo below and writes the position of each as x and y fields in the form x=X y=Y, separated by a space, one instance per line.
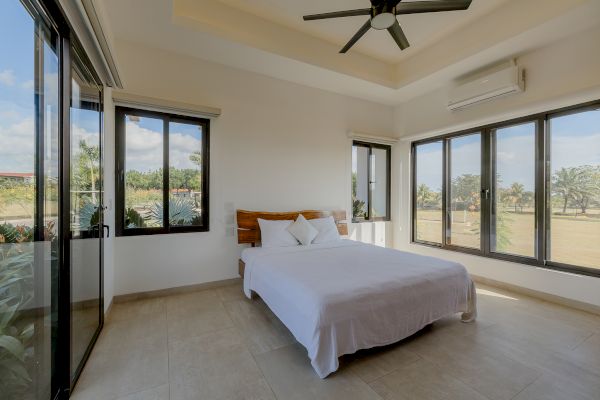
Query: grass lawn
x=574 y=240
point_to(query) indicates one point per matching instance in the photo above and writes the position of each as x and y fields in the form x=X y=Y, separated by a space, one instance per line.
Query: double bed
x=343 y=296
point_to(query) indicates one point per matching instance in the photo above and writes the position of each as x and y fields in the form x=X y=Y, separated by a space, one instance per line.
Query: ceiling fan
x=382 y=15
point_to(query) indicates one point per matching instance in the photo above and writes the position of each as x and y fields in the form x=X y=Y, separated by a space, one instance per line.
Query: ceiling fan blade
x=363 y=29
x=338 y=14
x=415 y=7
x=398 y=35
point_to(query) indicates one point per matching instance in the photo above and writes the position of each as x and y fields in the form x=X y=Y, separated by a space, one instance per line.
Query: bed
x=340 y=297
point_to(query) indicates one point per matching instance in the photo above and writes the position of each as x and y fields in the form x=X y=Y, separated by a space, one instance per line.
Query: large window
x=370 y=182
x=526 y=190
x=162 y=172
x=574 y=188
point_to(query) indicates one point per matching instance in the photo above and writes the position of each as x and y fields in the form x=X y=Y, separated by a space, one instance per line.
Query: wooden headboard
x=249 y=231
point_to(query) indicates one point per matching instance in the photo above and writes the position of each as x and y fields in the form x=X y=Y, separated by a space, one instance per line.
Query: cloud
x=27 y=84
x=7 y=77
x=17 y=149
x=144 y=149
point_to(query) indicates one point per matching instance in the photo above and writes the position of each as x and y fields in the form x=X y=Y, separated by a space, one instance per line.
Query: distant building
x=25 y=177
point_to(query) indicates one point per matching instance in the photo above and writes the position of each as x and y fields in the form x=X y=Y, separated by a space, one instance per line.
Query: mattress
x=337 y=298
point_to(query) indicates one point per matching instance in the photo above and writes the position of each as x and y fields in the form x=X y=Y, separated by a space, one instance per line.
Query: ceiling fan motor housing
x=383 y=16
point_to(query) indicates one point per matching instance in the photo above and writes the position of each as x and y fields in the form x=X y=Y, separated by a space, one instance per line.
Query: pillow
x=328 y=231
x=275 y=233
x=303 y=230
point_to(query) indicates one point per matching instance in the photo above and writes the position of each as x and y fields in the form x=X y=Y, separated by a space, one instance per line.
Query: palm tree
x=517 y=194
x=564 y=184
x=424 y=194
x=89 y=161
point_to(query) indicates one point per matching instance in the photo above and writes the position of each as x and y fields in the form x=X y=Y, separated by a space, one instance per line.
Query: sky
x=575 y=140
x=144 y=144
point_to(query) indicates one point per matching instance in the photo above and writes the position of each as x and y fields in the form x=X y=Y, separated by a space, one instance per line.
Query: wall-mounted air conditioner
x=501 y=81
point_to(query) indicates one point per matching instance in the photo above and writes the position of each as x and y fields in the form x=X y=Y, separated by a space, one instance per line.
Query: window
x=574 y=188
x=526 y=190
x=513 y=209
x=162 y=167
x=465 y=186
x=370 y=182
x=428 y=193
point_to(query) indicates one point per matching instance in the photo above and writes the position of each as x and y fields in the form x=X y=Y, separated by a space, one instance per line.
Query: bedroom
x=287 y=123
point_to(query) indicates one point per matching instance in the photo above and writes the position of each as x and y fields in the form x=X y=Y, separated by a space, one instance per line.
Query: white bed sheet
x=337 y=298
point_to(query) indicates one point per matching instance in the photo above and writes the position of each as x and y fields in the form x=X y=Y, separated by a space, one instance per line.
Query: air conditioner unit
x=501 y=81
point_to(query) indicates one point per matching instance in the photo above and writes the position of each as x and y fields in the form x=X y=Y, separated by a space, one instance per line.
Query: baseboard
x=551 y=298
x=175 y=290
x=107 y=313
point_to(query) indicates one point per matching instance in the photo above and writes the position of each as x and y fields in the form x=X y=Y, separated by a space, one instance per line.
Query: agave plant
x=134 y=219
x=16 y=291
x=88 y=216
x=181 y=211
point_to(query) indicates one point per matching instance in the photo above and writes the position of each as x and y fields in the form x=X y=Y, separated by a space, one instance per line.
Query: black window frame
x=543 y=212
x=120 y=133
x=388 y=150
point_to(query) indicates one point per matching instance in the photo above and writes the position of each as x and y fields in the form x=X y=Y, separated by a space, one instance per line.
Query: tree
x=516 y=193
x=578 y=186
x=424 y=194
x=465 y=191
x=87 y=167
x=358 y=206
x=588 y=187
x=564 y=185
x=196 y=158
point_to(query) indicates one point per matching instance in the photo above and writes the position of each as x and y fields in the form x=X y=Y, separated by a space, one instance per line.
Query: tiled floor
x=216 y=344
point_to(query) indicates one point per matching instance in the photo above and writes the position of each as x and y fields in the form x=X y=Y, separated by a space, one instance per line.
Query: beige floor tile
x=215 y=365
x=261 y=329
x=194 y=314
x=489 y=372
x=137 y=309
x=588 y=352
x=519 y=346
x=565 y=365
x=158 y=393
x=374 y=363
x=231 y=292
x=291 y=377
x=553 y=387
x=423 y=380
x=114 y=373
x=124 y=335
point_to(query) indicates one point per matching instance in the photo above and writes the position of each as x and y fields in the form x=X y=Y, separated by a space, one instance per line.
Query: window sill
x=577 y=270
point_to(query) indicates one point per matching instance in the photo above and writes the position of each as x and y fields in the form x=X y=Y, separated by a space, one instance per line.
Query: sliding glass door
x=51 y=223
x=86 y=221
x=29 y=201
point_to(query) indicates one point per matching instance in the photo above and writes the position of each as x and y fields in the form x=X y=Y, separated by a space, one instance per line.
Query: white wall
x=558 y=75
x=276 y=146
x=564 y=74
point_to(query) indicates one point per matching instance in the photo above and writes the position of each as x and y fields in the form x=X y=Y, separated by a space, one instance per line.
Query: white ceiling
x=420 y=29
x=269 y=37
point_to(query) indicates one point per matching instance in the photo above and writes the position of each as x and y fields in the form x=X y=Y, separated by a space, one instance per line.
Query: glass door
x=29 y=201
x=86 y=210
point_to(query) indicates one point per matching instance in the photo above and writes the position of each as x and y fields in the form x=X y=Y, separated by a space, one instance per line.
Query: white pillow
x=275 y=233
x=303 y=230
x=328 y=231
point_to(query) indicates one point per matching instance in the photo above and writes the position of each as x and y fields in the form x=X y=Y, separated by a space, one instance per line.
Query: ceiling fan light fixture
x=383 y=20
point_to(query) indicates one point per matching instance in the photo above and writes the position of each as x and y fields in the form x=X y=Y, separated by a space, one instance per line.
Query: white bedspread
x=341 y=297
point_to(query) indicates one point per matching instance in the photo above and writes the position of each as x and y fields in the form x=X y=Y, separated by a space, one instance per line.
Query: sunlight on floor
x=486 y=292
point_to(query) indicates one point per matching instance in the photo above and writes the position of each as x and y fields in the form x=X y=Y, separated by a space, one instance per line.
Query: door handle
x=107 y=227
x=485 y=193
